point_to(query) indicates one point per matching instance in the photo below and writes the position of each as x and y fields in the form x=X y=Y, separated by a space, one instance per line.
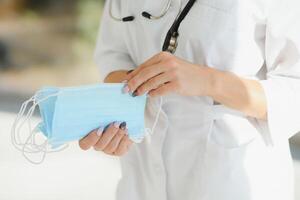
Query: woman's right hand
x=113 y=140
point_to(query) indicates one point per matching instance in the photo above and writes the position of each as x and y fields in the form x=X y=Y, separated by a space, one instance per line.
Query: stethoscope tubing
x=144 y=13
x=170 y=43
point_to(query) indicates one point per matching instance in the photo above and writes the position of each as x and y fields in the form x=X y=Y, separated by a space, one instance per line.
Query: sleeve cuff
x=282 y=122
x=109 y=68
x=111 y=63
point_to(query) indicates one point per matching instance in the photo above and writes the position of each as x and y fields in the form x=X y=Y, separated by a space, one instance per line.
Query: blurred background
x=51 y=42
x=47 y=42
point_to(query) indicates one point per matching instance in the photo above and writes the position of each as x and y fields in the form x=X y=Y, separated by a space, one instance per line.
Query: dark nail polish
x=129 y=71
x=134 y=94
x=117 y=124
x=123 y=125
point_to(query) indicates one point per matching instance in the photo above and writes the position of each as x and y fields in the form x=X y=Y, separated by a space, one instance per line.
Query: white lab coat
x=200 y=150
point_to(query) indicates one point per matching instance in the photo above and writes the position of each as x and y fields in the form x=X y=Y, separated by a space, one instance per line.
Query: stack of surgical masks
x=69 y=114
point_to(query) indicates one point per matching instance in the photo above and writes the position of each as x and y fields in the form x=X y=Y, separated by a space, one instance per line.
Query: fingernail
x=129 y=71
x=123 y=126
x=134 y=94
x=126 y=89
x=125 y=81
x=100 y=131
x=116 y=124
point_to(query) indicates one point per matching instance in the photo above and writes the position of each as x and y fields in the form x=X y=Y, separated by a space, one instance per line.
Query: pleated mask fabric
x=70 y=113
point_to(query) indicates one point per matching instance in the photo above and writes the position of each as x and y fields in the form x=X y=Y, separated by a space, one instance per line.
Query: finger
x=129 y=71
x=91 y=139
x=107 y=136
x=153 y=83
x=144 y=75
x=114 y=143
x=163 y=90
x=153 y=60
x=150 y=61
x=123 y=147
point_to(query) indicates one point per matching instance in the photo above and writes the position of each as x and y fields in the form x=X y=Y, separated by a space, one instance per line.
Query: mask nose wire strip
x=30 y=146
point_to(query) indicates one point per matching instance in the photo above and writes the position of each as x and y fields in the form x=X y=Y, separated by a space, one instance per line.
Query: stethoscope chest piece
x=171 y=40
x=173 y=43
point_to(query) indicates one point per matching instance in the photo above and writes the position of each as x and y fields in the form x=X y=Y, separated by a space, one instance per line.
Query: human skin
x=165 y=73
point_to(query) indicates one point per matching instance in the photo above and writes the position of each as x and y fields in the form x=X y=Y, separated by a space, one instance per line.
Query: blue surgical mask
x=69 y=114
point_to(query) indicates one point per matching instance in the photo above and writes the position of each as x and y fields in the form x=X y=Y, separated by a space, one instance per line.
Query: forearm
x=238 y=93
x=241 y=94
x=116 y=77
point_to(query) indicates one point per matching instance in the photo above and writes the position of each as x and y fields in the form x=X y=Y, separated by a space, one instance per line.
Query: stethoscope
x=171 y=39
x=144 y=14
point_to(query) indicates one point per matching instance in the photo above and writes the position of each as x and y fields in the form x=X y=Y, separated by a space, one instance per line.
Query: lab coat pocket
x=232 y=129
x=225 y=174
x=213 y=38
x=224 y=158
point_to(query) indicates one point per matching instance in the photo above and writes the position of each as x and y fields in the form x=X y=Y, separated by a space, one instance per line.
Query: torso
x=198 y=150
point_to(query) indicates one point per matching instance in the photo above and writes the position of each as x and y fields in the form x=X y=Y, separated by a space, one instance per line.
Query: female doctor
x=228 y=85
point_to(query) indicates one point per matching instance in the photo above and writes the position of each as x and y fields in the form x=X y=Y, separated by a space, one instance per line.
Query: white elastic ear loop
x=15 y=133
x=20 y=114
x=30 y=146
x=17 y=129
x=41 y=148
x=151 y=131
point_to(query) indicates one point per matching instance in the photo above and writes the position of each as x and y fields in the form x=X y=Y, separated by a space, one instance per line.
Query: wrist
x=116 y=77
x=209 y=80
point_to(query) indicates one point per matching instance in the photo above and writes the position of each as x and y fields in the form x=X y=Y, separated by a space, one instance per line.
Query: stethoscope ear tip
x=146 y=15
x=128 y=19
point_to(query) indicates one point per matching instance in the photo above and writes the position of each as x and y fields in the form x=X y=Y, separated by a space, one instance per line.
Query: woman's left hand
x=165 y=73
